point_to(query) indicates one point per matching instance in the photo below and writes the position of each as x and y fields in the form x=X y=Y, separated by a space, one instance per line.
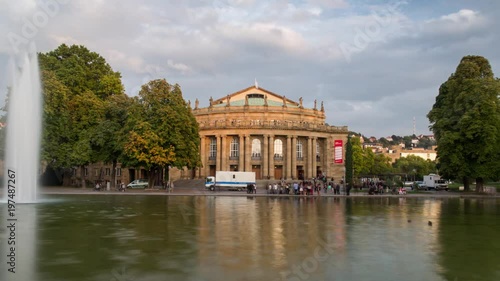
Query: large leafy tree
x=162 y=130
x=108 y=138
x=77 y=85
x=56 y=146
x=465 y=120
x=82 y=70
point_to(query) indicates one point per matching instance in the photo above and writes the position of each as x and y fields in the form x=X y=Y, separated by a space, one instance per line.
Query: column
x=203 y=157
x=218 y=141
x=241 y=154
x=265 y=157
x=329 y=157
x=288 y=159
x=248 y=153
x=309 y=158
x=224 y=157
x=314 y=163
x=271 y=156
x=294 y=157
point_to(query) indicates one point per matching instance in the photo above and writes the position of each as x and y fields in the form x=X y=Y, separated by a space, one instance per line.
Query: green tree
x=425 y=143
x=108 y=138
x=357 y=157
x=163 y=130
x=349 y=162
x=81 y=70
x=77 y=84
x=56 y=135
x=384 y=142
x=414 y=167
x=465 y=120
x=87 y=113
x=381 y=164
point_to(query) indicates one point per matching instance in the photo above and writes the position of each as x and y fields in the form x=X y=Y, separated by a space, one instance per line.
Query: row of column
x=267 y=156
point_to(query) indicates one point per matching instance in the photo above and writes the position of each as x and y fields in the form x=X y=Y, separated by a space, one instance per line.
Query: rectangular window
x=118 y=172
x=234 y=151
x=299 y=150
x=108 y=171
x=96 y=171
x=213 y=149
x=86 y=172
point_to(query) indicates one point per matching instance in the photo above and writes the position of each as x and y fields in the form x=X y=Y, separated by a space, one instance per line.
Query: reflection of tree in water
x=469 y=240
x=116 y=238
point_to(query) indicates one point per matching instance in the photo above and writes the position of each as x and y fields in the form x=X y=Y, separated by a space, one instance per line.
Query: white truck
x=433 y=181
x=230 y=180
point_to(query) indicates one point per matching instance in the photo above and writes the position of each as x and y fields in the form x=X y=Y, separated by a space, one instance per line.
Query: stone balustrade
x=271 y=124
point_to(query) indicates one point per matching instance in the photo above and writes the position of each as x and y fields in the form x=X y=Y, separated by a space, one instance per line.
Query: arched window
x=256 y=148
x=213 y=149
x=235 y=148
x=299 y=150
x=278 y=149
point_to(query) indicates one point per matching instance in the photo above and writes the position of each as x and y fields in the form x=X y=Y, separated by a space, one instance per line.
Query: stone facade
x=269 y=134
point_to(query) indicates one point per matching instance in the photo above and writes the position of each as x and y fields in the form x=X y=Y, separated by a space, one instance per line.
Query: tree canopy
x=78 y=85
x=465 y=120
x=414 y=166
x=162 y=129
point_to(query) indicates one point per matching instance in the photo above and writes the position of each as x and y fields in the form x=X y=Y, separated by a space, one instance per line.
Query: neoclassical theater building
x=277 y=138
x=251 y=130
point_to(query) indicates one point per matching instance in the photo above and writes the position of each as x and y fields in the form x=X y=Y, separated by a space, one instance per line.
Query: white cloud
x=456 y=23
x=212 y=48
x=180 y=67
x=266 y=34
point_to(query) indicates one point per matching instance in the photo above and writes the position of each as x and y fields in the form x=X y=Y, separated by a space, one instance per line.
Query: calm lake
x=151 y=238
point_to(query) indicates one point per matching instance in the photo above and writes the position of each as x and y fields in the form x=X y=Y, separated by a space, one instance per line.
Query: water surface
x=120 y=237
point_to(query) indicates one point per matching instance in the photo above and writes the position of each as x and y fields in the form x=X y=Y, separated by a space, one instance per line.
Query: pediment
x=256 y=96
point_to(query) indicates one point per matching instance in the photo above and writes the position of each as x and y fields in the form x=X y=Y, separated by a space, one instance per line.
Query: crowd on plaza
x=303 y=187
x=318 y=186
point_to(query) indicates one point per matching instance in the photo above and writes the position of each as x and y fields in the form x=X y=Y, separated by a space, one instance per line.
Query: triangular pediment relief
x=254 y=92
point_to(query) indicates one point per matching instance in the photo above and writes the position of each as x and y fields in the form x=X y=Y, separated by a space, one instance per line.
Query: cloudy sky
x=376 y=64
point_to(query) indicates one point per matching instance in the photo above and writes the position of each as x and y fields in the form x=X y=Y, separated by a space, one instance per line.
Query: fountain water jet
x=24 y=117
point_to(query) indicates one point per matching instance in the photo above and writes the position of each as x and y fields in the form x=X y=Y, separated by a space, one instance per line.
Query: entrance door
x=131 y=175
x=212 y=170
x=256 y=170
x=278 y=172
x=300 y=172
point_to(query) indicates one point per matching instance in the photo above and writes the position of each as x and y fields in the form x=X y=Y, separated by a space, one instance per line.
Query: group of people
x=303 y=187
x=379 y=187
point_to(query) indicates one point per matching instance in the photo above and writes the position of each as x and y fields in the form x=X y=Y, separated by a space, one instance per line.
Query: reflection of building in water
x=266 y=232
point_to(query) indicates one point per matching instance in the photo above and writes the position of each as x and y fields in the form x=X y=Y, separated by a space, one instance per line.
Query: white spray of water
x=24 y=119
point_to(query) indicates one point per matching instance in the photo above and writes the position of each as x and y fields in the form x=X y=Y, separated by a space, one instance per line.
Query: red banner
x=338 y=148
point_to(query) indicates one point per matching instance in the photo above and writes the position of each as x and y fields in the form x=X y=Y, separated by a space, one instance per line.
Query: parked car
x=420 y=185
x=140 y=183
